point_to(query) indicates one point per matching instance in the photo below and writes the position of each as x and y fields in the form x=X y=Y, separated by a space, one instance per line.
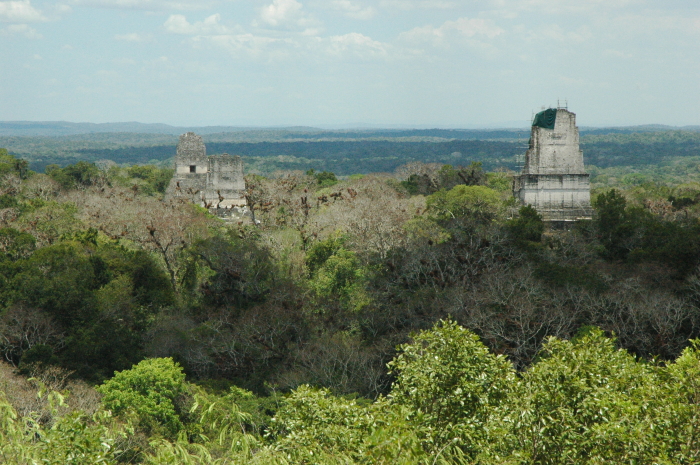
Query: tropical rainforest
x=419 y=316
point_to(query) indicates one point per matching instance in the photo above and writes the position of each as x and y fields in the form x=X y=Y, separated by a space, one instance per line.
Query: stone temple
x=215 y=182
x=553 y=179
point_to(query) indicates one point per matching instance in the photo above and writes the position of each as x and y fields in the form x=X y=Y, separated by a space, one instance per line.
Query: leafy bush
x=81 y=174
x=150 y=392
x=477 y=202
x=324 y=178
x=528 y=226
x=450 y=384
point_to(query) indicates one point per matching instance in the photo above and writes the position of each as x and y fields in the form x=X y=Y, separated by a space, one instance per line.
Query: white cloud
x=555 y=33
x=353 y=9
x=280 y=11
x=312 y=31
x=295 y=46
x=132 y=37
x=417 y=4
x=178 y=24
x=450 y=31
x=62 y=8
x=20 y=30
x=356 y=44
x=655 y=22
x=556 y=7
x=19 y=12
x=285 y=13
x=245 y=43
x=146 y=5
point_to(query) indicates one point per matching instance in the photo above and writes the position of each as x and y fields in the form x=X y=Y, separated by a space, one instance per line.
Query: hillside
x=346 y=152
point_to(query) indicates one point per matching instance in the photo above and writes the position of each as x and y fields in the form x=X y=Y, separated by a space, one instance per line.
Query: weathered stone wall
x=555 y=151
x=225 y=172
x=215 y=182
x=553 y=179
x=557 y=197
x=190 y=178
x=191 y=155
x=225 y=182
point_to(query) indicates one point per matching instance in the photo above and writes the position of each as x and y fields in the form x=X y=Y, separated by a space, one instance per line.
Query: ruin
x=215 y=182
x=553 y=179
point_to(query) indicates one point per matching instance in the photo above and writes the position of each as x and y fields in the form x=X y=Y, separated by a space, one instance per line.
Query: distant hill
x=347 y=151
x=64 y=128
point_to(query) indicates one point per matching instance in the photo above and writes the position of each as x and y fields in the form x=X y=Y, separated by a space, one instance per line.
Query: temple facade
x=215 y=182
x=553 y=179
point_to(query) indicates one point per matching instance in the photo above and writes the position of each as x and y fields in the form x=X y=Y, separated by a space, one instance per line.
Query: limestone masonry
x=553 y=179
x=215 y=182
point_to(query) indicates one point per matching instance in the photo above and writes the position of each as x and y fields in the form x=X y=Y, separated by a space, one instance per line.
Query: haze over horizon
x=350 y=63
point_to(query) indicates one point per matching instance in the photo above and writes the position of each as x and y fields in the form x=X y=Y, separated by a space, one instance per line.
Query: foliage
x=147 y=179
x=337 y=273
x=15 y=245
x=150 y=391
x=426 y=179
x=324 y=178
x=453 y=402
x=12 y=165
x=528 y=226
x=569 y=397
x=451 y=384
x=73 y=439
x=478 y=202
x=81 y=174
x=614 y=226
x=635 y=234
x=99 y=297
x=321 y=251
x=242 y=272
x=329 y=284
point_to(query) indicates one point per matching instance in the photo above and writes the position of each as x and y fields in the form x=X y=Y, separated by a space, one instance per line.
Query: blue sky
x=436 y=63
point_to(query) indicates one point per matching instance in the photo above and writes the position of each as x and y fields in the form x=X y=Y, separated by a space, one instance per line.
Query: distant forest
x=265 y=151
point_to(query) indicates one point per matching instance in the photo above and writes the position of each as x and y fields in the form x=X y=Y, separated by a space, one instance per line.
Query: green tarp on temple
x=545 y=119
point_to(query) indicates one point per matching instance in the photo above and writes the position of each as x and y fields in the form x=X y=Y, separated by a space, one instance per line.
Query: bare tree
x=163 y=227
x=339 y=362
x=22 y=328
x=41 y=186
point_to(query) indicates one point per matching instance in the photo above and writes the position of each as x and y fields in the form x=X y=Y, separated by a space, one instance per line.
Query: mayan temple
x=215 y=182
x=553 y=179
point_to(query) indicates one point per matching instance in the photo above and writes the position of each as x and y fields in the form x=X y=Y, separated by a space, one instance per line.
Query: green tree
x=322 y=250
x=675 y=425
x=569 y=401
x=68 y=439
x=614 y=225
x=156 y=179
x=528 y=226
x=323 y=178
x=451 y=385
x=15 y=244
x=475 y=202
x=81 y=174
x=11 y=165
x=101 y=296
x=343 y=277
x=243 y=272
x=150 y=392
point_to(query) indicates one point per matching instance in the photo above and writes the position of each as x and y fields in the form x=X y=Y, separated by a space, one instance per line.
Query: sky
x=353 y=63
